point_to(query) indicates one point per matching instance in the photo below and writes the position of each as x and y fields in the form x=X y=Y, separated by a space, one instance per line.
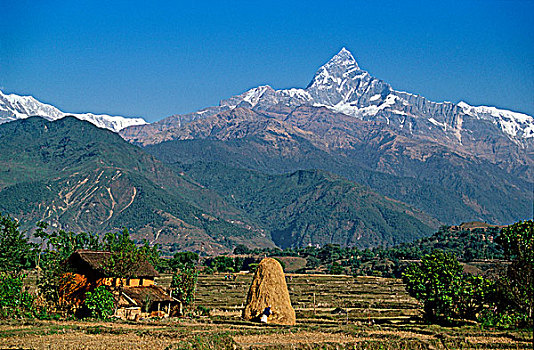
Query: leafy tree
x=336 y=269
x=248 y=261
x=152 y=254
x=473 y=293
x=312 y=262
x=222 y=263
x=517 y=240
x=15 y=301
x=184 y=283
x=16 y=252
x=100 y=302
x=330 y=253
x=55 y=280
x=238 y=263
x=183 y=259
x=125 y=257
x=446 y=293
x=56 y=246
x=434 y=282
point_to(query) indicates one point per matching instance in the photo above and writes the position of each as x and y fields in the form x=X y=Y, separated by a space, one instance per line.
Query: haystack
x=269 y=288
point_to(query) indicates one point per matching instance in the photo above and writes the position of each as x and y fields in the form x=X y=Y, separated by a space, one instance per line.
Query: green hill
x=314 y=207
x=79 y=177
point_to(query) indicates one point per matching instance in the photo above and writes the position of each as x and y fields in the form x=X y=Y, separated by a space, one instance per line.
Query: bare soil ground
x=371 y=313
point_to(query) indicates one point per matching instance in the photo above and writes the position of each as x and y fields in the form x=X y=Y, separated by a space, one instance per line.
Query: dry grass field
x=352 y=313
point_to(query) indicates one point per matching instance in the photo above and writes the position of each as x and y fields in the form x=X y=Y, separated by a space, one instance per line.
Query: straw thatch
x=141 y=295
x=269 y=288
x=93 y=260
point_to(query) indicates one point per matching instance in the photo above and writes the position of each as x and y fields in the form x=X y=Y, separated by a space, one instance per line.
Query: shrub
x=253 y=267
x=501 y=319
x=100 y=302
x=203 y=311
x=14 y=300
x=336 y=269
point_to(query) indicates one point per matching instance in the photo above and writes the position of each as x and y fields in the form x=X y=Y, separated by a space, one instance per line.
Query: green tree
x=100 y=302
x=184 y=283
x=54 y=278
x=473 y=293
x=222 y=263
x=241 y=249
x=152 y=254
x=312 y=262
x=16 y=252
x=336 y=269
x=183 y=259
x=517 y=241
x=446 y=292
x=330 y=253
x=125 y=257
x=435 y=282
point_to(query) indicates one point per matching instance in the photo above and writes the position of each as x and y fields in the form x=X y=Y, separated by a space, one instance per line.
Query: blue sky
x=157 y=58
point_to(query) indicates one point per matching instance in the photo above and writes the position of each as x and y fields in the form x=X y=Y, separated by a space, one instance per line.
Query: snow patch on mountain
x=512 y=123
x=13 y=107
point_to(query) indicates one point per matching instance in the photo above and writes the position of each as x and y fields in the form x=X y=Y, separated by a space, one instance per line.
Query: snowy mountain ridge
x=343 y=87
x=13 y=107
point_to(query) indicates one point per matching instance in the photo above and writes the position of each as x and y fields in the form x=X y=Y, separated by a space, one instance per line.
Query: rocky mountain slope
x=451 y=186
x=342 y=86
x=14 y=107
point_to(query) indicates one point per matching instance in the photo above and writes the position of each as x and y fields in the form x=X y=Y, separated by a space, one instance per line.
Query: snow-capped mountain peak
x=342 y=60
x=13 y=107
x=342 y=86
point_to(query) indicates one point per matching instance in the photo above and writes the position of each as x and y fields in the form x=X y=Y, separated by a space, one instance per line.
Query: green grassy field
x=380 y=315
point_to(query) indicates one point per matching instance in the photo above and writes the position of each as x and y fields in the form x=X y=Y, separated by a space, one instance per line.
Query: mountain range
x=453 y=161
x=14 y=107
x=346 y=160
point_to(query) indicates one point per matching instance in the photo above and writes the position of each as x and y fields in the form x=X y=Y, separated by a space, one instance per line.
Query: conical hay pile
x=269 y=288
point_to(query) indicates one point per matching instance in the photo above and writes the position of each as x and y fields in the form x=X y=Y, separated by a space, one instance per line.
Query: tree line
x=437 y=278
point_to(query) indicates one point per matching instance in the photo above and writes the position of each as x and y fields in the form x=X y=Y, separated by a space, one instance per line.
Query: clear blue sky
x=157 y=58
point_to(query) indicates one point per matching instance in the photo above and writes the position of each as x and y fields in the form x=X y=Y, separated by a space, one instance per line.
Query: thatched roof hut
x=138 y=294
x=88 y=260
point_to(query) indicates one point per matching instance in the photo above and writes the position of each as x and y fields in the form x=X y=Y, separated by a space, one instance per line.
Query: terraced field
x=318 y=297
